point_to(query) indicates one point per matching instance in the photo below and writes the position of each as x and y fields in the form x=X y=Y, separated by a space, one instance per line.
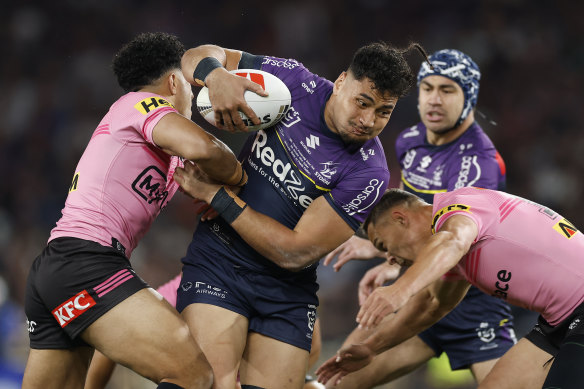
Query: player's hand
x=195 y=182
x=354 y=248
x=348 y=359
x=381 y=302
x=205 y=210
x=376 y=277
x=226 y=95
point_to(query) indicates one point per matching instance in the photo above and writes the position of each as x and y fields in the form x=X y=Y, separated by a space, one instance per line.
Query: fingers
x=328 y=259
x=373 y=310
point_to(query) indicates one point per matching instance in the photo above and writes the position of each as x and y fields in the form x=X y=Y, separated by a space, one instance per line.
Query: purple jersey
x=296 y=161
x=469 y=160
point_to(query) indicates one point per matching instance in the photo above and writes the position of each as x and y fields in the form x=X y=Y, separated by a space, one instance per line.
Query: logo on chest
x=151 y=186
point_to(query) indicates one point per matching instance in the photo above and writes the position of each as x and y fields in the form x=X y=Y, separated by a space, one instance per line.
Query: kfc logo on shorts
x=73 y=308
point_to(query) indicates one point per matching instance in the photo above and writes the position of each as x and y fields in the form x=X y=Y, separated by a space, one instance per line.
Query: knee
x=189 y=367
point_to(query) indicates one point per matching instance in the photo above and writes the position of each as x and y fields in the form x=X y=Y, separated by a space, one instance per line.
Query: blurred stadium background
x=57 y=83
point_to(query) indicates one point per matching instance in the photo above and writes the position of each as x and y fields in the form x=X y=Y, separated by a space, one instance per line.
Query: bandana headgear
x=461 y=69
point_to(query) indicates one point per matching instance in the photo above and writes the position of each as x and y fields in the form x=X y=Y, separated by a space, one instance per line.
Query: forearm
x=420 y=313
x=275 y=241
x=220 y=164
x=441 y=253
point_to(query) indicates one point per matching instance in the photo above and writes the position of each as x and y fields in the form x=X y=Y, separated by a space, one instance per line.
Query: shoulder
x=410 y=137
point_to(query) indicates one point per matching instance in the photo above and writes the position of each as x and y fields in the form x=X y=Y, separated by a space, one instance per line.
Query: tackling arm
x=319 y=230
x=441 y=253
x=423 y=310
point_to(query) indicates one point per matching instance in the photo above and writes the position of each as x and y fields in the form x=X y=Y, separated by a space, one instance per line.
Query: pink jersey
x=169 y=290
x=123 y=179
x=524 y=253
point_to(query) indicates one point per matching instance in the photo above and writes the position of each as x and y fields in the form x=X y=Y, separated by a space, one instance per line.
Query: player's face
x=357 y=111
x=440 y=102
x=184 y=95
x=401 y=241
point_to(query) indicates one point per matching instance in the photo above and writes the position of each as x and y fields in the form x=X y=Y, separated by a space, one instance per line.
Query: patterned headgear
x=461 y=69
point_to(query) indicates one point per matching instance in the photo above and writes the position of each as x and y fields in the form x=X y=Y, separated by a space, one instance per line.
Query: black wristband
x=205 y=66
x=227 y=204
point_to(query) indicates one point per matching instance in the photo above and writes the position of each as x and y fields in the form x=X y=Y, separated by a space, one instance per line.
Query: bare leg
x=147 y=335
x=48 y=369
x=269 y=363
x=100 y=371
x=222 y=336
x=481 y=369
x=522 y=367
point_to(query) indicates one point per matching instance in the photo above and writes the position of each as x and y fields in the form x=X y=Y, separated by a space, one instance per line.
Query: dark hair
x=147 y=57
x=391 y=198
x=385 y=66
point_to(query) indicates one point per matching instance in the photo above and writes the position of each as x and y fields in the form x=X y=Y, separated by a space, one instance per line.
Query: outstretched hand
x=354 y=248
x=376 y=277
x=348 y=359
x=226 y=92
x=380 y=303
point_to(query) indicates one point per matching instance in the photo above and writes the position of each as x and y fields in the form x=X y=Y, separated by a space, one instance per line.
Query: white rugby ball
x=270 y=110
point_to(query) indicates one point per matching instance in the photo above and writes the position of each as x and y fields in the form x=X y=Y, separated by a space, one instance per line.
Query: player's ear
x=399 y=217
x=172 y=83
x=339 y=82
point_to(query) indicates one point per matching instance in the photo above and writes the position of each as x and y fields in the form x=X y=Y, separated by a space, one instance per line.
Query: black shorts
x=70 y=285
x=549 y=338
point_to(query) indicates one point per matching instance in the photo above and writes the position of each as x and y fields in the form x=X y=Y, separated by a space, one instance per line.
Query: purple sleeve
x=356 y=194
x=481 y=170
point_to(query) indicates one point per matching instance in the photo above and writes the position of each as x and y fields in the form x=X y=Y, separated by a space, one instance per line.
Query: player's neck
x=441 y=138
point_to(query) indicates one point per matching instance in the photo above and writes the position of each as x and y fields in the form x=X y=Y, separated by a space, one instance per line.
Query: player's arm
x=422 y=311
x=177 y=135
x=441 y=252
x=208 y=65
x=319 y=230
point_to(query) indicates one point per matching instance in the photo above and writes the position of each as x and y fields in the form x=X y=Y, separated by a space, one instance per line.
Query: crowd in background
x=57 y=83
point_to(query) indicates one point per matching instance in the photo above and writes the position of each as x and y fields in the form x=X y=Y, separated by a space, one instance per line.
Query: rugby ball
x=270 y=110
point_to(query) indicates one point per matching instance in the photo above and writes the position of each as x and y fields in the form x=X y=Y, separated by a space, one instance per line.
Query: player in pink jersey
x=82 y=292
x=508 y=247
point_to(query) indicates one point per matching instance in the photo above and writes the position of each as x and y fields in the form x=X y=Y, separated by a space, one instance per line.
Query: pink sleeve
x=142 y=111
x=447 y=205
x=169 y=290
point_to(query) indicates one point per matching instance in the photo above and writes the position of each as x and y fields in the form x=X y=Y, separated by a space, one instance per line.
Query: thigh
x=147 y=335
x=56 y=369
x=264 y=358
x=221 y=335
x=389 y=365
x=524 y=366
x=480 y=370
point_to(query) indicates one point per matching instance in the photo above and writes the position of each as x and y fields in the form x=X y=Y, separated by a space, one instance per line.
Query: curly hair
x=147 y=57
x=385 y=66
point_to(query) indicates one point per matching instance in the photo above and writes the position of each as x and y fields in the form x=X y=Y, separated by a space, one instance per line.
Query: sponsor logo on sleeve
x=465 y=178
x=280 y=63
x=73 y=308
x=366 y=198
x=447 y=210
x=74 y=183
x=150 y=104
x=565 y=228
